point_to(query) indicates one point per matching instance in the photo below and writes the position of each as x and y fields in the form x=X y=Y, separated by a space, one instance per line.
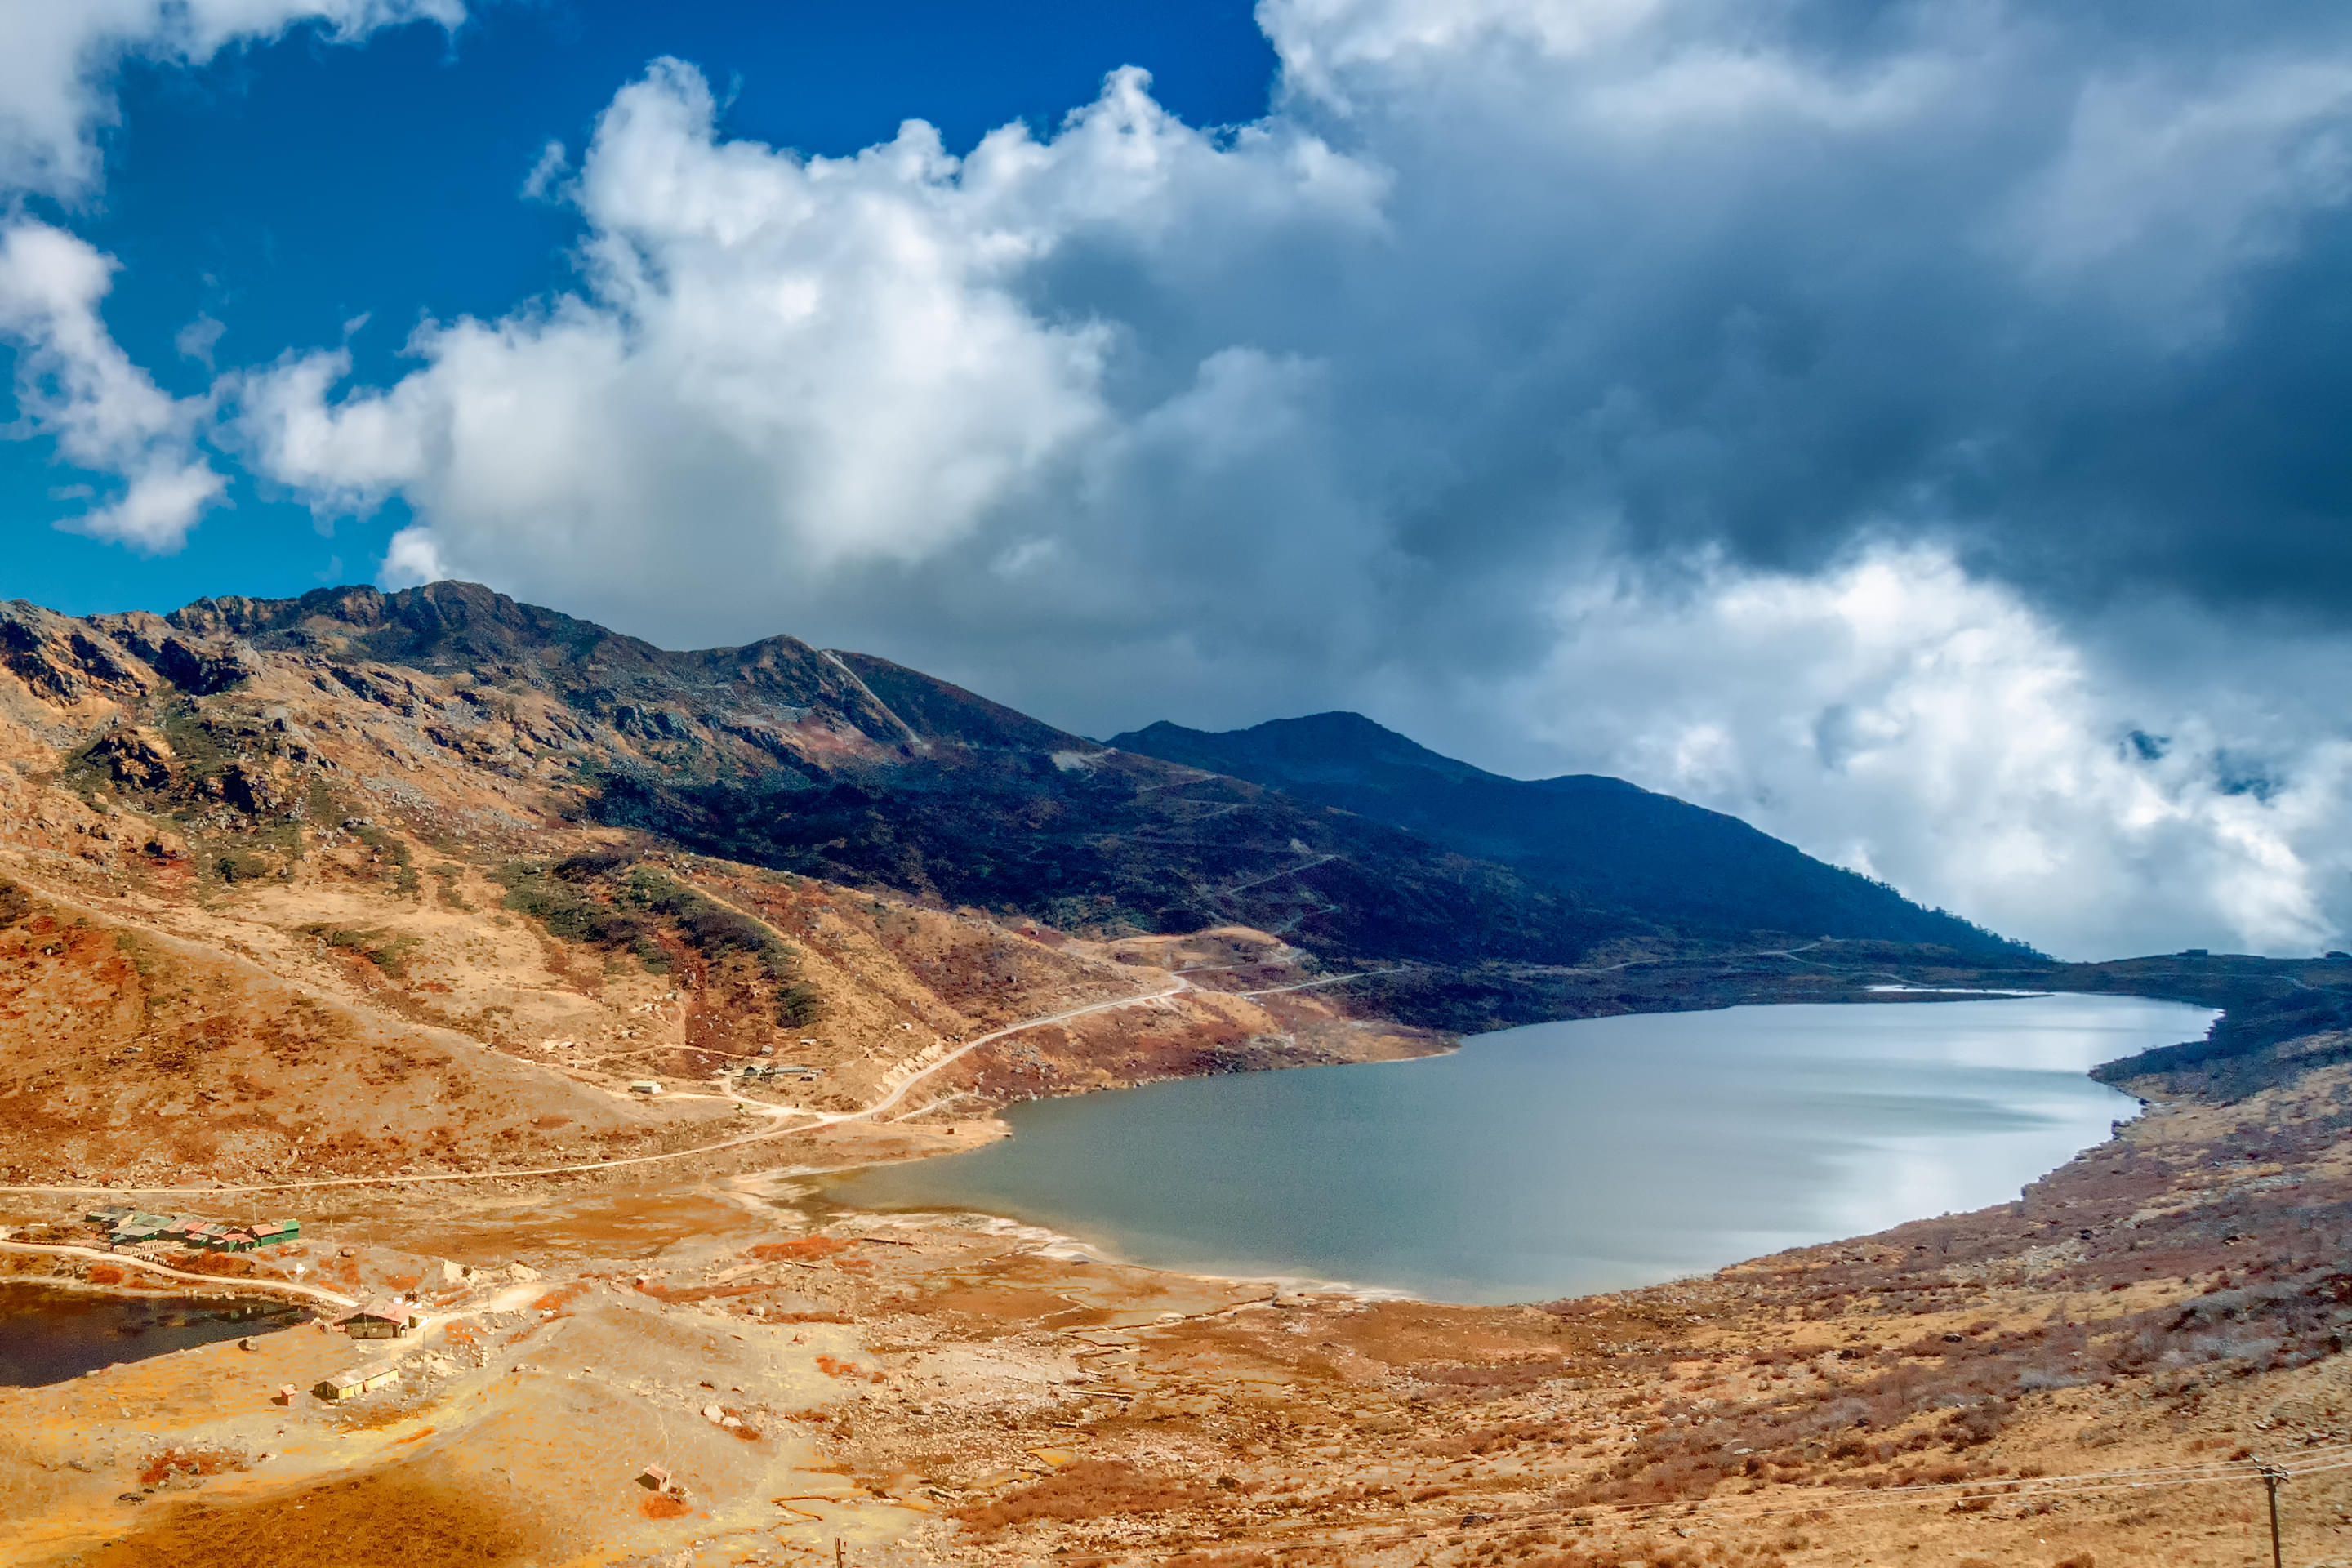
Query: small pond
x=49 y=1333
x=1565 y=1158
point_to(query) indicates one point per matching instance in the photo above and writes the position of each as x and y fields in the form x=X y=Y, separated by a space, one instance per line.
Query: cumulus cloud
x=806 y=368
x=75 y=384
x=1514 y=328
x=59 y=60
x=1930 y=728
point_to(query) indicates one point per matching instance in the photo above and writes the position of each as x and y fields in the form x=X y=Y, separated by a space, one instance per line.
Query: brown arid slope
x=279 y=915
x=326 y=911
x=239 y=717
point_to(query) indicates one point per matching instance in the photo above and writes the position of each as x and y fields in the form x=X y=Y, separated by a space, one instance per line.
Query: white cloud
x=75 y=384
x=547 y=175
x=412 y=559
x=58 y=59
x=197 y=340
x=802 y=365
x=159 y=504
x=1640 y=310
x=1930 y=728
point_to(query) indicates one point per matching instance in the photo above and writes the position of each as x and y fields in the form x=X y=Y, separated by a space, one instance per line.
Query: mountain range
x=1602 y=841
x=1330 y=831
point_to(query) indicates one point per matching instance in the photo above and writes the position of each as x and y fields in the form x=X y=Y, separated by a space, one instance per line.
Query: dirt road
x=209 y=1281
x=815 y=1119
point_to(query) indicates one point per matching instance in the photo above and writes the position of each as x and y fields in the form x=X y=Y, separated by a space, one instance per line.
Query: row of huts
x=128 y=1227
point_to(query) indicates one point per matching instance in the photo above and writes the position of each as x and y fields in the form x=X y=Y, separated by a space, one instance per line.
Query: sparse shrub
x=589 y=865
x=447 y=877
x=388 y=954
x=570 y=915
x=798 y=1006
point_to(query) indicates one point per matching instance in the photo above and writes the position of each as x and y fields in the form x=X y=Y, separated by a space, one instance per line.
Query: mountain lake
x=51 y=1333
x=1563 y=1158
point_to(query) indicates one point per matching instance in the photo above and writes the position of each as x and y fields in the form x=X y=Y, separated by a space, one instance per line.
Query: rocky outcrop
x=137 y=757
x=60 y=662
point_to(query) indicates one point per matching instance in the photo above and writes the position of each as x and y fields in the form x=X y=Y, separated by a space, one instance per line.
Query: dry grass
x=1090 y=1489
x=807 y=1249
x=29 y=1486
x=394 y=1519
x=849 y=1371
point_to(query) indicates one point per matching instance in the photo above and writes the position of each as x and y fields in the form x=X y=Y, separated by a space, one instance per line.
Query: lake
x=48 y=1333
x=1561 y=1159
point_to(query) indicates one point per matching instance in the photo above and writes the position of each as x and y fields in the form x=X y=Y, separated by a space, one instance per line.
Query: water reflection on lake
x=1565 y=1158
x=48 y=1333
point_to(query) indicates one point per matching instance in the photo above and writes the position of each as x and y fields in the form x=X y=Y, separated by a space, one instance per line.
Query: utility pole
x=2271 y=1476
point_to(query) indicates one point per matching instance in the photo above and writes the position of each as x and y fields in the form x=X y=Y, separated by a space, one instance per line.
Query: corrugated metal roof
x=389 y=1308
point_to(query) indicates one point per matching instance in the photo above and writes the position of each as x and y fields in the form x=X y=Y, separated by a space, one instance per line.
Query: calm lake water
x=49 y=1334
x=1565 y=1158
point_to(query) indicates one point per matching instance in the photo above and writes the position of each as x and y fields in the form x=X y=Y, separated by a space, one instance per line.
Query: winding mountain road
x=815 y=1119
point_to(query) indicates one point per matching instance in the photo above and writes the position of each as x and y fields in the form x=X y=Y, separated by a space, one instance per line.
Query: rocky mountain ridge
x=1599 y=840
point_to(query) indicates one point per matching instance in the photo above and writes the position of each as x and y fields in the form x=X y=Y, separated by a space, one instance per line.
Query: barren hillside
x=290 y=912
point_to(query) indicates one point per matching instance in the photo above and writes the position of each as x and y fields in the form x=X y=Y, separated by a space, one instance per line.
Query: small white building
x=645 y=1086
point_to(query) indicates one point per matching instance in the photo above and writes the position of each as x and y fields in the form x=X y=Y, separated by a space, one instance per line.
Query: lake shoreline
x=55 y=1328
x=915 y=1187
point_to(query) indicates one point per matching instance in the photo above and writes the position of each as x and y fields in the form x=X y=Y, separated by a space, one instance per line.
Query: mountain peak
x=1334 y=747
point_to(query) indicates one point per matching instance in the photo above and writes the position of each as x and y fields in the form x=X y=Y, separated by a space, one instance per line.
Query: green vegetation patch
x=447 y=877
x=608 y=897
x=798 y=1006
x=707 y=926
x=243 y=866
x=386 y=951
x=567 y=910
x=403 y=863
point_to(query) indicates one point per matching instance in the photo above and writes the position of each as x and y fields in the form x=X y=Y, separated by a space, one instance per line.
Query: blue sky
x=286 y=188
x=1916 y=428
